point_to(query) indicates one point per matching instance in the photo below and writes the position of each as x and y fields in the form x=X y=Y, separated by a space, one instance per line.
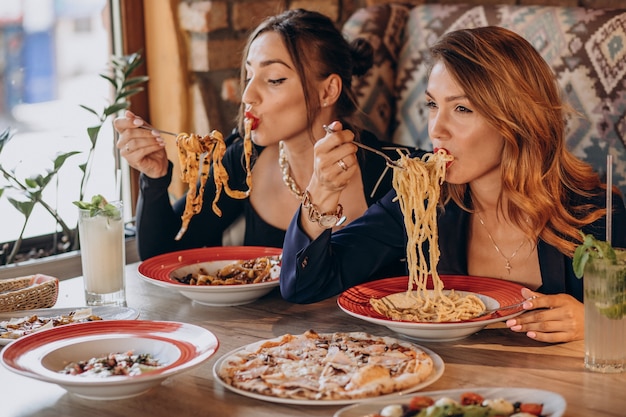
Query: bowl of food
x=494 y=293
x=105 y=360
x=216 y=276
x=500 y=401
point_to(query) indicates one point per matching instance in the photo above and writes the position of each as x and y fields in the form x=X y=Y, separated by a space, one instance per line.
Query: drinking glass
x=605 y=314
x=103 y=256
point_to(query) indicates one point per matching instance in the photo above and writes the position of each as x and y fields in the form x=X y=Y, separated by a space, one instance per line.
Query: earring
x=324 y=104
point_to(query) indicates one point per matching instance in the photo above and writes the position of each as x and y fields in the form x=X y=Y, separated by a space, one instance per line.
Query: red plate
x=355 y=302
x=161 y=267
x=356 y=299
x=178 y=346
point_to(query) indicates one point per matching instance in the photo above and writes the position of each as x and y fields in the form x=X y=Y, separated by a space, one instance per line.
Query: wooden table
x=494 y=357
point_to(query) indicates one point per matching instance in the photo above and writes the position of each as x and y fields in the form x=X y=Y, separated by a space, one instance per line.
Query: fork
x=165 y=132
x=390 y=162
x=509 y=307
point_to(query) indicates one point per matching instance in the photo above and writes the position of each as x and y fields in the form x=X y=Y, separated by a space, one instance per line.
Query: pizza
x=326 y=366
x=21 y=326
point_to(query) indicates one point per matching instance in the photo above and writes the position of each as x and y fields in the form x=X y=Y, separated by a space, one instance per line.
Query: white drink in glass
x=605 y=314
x=103 y=257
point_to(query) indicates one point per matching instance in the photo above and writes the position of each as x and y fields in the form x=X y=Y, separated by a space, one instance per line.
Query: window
x=51 y=55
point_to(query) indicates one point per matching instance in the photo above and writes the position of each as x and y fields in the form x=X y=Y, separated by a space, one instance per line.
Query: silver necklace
x=283 y=162
x=507 y=266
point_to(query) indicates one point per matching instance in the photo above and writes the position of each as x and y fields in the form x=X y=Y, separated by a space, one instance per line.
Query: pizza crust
x=327 y=366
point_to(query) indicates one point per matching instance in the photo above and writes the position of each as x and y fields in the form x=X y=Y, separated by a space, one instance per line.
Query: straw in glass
x=609 y=196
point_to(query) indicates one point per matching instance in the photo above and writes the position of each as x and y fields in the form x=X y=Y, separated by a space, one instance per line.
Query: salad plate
x=177 y=347
x=554 y=404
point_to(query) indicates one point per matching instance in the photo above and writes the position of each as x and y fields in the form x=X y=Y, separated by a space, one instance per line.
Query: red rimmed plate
x=161 y=269
x=494 y=293
x=177 y=346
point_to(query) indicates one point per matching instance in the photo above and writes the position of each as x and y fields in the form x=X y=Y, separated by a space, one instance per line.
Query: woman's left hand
x=550 y=318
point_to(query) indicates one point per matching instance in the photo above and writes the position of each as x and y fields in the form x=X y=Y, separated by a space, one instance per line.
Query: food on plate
x=469 y=404
x=18 y=327
x=193 y=154
x=326 y=366
x=249 y=271
x=418 y=187
x=113 y=364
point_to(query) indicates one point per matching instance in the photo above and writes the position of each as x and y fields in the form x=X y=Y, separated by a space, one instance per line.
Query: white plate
x=104 y=312
x=494 y=292
x=177 y=346
x=434 y=376
x=553 y=404
x=161 y=270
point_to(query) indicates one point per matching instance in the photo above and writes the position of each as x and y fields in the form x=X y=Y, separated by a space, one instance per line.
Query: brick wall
x=216 y=31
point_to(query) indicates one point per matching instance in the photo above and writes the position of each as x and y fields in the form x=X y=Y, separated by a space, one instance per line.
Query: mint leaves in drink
x=591 y=248
x=607 y=270
x=99 y=206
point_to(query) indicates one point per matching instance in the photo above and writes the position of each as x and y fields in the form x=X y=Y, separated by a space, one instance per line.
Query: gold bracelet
x=325 y=220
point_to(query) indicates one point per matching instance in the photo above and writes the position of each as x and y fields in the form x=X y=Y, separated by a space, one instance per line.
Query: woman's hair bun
x=362 y=56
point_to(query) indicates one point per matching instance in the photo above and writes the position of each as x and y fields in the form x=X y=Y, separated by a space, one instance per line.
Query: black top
x=158 y=221
x=315 y=270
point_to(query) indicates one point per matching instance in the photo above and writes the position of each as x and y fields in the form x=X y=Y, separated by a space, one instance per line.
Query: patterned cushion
x=586 y=48
x=382 y=26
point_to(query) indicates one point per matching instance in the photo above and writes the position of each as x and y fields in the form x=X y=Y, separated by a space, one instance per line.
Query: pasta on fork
x=194 y=152
x=418 y=187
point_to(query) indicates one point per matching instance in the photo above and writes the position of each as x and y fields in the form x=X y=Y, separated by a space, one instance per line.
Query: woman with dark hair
x=296 y=77
x=514 y=198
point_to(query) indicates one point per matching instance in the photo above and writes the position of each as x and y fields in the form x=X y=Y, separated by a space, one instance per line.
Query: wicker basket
x=27 y=293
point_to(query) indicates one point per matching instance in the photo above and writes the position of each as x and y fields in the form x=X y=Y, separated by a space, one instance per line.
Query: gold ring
x=342 y=165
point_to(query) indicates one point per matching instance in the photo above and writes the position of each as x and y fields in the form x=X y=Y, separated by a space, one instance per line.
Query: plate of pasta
x=362 y=301
x=216 y=276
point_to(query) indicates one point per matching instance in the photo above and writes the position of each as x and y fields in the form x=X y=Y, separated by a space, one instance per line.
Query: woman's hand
x=334 y=164
x=334 y=160
x=550 y=318
x=143 y=149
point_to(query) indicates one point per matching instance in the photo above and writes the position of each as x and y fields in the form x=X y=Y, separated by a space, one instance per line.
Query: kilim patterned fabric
x=586 y=48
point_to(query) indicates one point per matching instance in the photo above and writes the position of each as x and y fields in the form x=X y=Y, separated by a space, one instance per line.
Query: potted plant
x=25 y=193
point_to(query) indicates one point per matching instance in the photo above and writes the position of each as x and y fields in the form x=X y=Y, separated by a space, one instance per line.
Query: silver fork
x=390 y=162
x=509 y=307
x=165 y=132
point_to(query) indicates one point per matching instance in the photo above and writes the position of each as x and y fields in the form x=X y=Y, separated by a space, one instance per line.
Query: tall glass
x=103 y=257
x=605 y=314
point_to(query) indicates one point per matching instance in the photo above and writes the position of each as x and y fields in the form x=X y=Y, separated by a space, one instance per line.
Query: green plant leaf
x=130 y=92
x=135 y=80
x=114 y=108
x=89 y=109
x=93 y=132
x=5 y=137
x=112 y=80
x=33 y=182
x=61 y=158
x=24 y=207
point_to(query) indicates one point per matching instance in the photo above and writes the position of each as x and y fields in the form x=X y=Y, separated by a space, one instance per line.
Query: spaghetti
x=193 y=151
x=418 y=186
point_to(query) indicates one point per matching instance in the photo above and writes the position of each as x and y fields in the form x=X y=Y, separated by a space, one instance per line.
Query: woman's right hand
x=143 y=149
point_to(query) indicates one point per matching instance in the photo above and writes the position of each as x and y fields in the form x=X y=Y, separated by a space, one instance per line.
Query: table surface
x=494 y=357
